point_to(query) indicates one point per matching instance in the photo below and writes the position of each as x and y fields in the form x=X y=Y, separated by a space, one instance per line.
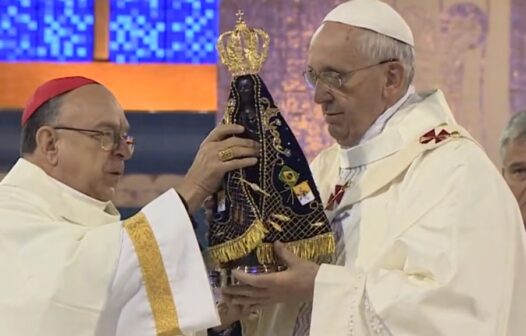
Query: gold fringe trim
x=318 y=249
x=241 y=246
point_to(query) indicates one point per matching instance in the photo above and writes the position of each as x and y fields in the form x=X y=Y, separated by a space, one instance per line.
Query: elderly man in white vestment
x=429 y=237
x=70 y=266
x=513 y=156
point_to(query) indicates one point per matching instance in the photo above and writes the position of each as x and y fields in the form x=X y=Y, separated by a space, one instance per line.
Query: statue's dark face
x=245 y=87
x=247 y=106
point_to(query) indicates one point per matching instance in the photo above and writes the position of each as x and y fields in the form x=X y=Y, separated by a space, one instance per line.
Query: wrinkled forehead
x=335 y=44
x=91 y=105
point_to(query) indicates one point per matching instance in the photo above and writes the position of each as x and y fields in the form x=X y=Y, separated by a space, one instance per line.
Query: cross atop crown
x=239 y=15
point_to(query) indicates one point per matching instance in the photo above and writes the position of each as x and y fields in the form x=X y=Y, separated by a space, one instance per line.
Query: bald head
x=90 y=105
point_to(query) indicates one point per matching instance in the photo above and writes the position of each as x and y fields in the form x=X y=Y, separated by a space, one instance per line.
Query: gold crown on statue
x=243 y=50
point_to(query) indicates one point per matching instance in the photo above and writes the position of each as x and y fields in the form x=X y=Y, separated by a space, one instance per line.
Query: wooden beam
x=101 y=50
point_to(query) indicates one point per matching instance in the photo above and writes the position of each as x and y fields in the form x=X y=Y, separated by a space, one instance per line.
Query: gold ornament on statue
x=274 y=200
x=243 y=50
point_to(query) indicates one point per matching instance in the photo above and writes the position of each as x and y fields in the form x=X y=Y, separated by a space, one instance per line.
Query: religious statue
x=276 y=199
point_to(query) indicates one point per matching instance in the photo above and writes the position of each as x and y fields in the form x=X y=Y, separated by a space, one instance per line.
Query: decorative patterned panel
x=179 y=31
x=40 y=30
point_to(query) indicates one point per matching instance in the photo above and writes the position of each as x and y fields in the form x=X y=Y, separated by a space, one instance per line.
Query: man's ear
x=394 y=78
x=46 y=144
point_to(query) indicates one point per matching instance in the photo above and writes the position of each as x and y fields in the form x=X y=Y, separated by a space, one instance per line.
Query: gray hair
x=43 y=116
x=515 y=129
x=380 y=48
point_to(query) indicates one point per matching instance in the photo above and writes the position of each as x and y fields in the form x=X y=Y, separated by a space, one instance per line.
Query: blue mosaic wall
x=178 y=31
x=173 y=31
x=41 y=30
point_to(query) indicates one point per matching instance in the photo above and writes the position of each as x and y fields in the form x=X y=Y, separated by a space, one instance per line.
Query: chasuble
x=71 y=266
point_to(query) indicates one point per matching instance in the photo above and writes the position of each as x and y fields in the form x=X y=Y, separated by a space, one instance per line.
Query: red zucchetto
x=52 y=89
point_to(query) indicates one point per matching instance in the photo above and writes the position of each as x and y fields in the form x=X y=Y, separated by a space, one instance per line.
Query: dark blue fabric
x=251 y=105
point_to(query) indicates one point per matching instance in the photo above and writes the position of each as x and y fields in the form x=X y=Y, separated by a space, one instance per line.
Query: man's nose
x=322 y=93
x=123 y=150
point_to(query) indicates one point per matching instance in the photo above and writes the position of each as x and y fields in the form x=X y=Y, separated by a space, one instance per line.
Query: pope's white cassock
x=429 y=237
x=70 y=266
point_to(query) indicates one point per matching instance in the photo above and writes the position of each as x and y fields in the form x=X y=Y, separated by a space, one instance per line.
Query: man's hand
x=231 y=313
x=209 y=167
x=294 y=284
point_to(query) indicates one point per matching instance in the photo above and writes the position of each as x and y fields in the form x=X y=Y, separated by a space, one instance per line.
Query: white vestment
x=440 y=248
x=70 y=266
x=433 y=242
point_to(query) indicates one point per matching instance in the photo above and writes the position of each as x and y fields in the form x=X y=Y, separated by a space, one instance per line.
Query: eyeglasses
x=334 y=79
x=109 y=139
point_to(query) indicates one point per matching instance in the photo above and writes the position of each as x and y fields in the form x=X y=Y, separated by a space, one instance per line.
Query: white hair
x=379 y=48
x=515 y=129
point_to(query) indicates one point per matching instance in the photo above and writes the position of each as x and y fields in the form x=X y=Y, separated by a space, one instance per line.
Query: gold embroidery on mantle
x=154 y=275
x=268 y=112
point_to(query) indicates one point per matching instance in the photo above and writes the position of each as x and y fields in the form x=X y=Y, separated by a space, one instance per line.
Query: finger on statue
x=240 y=142
x=239 y=152
x=239 y=163
x=222 y=132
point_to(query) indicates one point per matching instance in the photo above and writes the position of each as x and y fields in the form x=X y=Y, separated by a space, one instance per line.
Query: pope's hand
x=219 y=153
x=296 y=283
x=230 y=313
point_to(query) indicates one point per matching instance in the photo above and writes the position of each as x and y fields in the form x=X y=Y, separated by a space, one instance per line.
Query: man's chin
x=111 y=193
x=334 y=133
x=108 y=194
x=343 y=142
